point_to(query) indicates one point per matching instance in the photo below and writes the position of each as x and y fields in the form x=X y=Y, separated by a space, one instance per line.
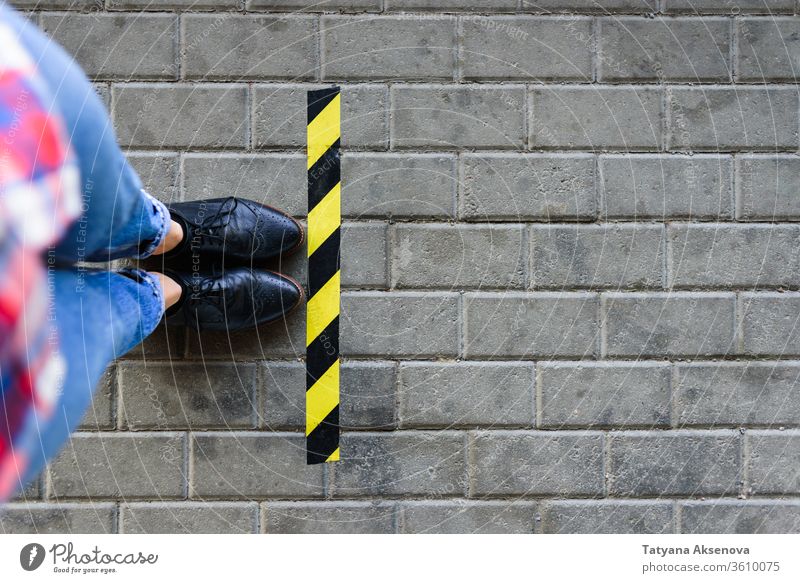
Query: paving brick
x=457 y=256
x=180 y=115
x=252 y=465
x=29 y=492
x=597 y=118
x=393 y=464
x=442 y=116
x=664 y=49
x=606 y=517
x=666 y=187
x=530 y=324
x=84 y=5
x=466 y=394
x=740 y=517
x=460 y=516
x=135 y=46
x=186 y=396
x=283 y=386
x=388 y=47
x=773 y=460
x=536 y=463
x=279 y=115
x=766 y=188
x=729 y=119
x=283 y=338
x=527 y=187
x=193 y=5
x=769 y=323
x=188 y=518
x=501 y=47
x=167 y=342
x=719 y=255
x=119 y=465
x=278 y=180
x=363 y=260
x=398 y=186
x=597 y=256
x=668 y=324
x=595 y=6
x=315 y=5
x=768 y=48
x=100 y=413
x=231 y=46
x=61 y=518
x=367 y=395
x=159 y=173
x=405 y=324
x=577 y=394
x=674 y=463
x=452 y=5
x=737 y=393
x=731 y=7
x=328 y=517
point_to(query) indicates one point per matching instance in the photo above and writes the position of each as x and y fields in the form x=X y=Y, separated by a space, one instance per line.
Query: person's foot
x=234 y=299
x=232 y=231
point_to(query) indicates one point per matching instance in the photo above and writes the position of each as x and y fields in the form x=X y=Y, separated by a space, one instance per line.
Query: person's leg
x=99 y=317
x=119 y=218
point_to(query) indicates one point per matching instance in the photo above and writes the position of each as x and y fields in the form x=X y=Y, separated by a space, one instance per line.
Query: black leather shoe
x=232 y=231
x=234 y=299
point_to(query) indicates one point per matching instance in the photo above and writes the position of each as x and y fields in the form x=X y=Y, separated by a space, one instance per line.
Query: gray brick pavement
x=570 y=268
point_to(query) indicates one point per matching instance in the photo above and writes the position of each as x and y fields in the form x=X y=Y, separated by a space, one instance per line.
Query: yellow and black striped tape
x=322 y=326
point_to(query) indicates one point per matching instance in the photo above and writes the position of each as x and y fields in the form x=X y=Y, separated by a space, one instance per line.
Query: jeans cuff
x=151 y=314
x=161 y=223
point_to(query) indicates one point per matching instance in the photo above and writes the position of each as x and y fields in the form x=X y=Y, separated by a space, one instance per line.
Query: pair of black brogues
x=219 y=264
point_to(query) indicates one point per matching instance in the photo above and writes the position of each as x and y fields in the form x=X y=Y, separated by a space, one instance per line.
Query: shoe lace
x=212 y=293
x=208 y=291
x=214 y=227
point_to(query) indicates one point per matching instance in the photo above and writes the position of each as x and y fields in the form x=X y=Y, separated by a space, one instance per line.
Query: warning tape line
x=324 y=287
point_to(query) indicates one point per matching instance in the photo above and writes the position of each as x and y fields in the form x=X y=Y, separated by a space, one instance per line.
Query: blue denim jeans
x=100 y=315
